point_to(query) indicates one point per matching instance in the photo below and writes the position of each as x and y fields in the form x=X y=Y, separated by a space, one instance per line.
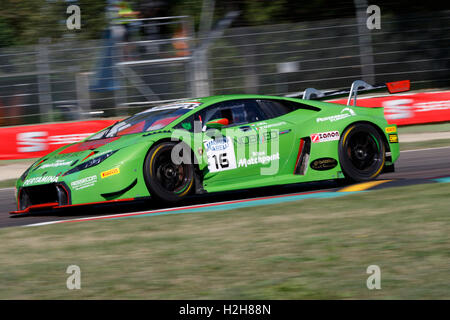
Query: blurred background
x=129 y=55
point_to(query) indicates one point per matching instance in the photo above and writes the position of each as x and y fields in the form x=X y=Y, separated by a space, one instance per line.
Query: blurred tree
x=6 y=34
x=18 y=16
x=258 y=12
x=93 y=20
x=25 y=21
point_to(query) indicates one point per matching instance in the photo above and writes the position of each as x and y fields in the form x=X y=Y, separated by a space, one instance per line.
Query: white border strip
x=175 y=209
x=426 y=149
x=10 y=188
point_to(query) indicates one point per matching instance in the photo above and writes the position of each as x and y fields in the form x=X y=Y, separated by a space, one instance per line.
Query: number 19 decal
x=220 y=153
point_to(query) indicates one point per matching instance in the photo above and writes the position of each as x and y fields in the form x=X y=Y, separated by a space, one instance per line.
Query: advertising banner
x=34 y=141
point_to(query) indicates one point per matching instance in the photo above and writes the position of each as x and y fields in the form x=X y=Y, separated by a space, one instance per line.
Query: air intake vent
x=301 y=165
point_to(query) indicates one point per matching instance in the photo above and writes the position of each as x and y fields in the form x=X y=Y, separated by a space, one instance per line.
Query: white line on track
x=10 y=188
x=425 y=149
x=204 y=205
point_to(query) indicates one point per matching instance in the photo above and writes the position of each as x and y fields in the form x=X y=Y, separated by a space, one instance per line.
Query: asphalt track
x=413 y=167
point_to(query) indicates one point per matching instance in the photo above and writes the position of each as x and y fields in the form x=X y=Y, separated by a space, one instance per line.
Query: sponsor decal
x=393 y=138
x=220 y=154
x=58 y=163
x=391 y=129
x=254 y=138
x=35 y=180
x=109 y=173
x=263 y=125
x=61 y=156
x=218 y=144
x=325 y=136
x=345 y=113
x=84 y=183
x=180 y=105
x=323 y=164
x=258 y=158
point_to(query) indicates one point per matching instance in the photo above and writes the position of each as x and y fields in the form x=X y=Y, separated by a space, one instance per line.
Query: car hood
x=50 y=168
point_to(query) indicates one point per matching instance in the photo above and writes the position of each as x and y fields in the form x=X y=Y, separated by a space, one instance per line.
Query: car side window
x=189 y=123
x=276 y=108
x=196 y=122
x=236 y=111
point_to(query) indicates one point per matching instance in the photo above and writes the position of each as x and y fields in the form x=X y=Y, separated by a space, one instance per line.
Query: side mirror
x=217 y=123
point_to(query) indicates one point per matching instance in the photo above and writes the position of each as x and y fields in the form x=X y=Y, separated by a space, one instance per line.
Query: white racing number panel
x=220 y=154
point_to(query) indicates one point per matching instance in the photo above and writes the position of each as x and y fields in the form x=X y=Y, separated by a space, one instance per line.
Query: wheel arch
x=195 y=161
x=351 y=174
x=376 y=127
x=167 y=139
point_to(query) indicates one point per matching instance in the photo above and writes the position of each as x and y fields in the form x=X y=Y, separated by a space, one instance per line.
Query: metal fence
x=327 y=54
x=77 y=80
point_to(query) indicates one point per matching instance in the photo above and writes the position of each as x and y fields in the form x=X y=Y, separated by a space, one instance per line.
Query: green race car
x=213 y=144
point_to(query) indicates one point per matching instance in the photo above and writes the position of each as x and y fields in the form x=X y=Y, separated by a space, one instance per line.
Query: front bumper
x=49 y=197
x=42 y=196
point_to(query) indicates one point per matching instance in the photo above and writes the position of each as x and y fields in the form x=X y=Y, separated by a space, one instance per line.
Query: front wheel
x=362 y=152
x=165 y=179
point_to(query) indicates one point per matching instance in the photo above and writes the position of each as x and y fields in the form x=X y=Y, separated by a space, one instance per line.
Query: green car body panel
x=121 y=175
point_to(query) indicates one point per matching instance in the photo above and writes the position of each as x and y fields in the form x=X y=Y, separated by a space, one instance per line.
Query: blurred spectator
x=10 y=107
x=122 y=13
x=180 y=43
x=152 y=30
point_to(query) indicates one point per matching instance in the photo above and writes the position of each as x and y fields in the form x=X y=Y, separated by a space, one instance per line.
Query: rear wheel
x=165 y=179
x=361 y=152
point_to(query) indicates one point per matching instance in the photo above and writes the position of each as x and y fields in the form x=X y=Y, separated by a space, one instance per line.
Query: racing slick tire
x=362 y=152
x=165 y=179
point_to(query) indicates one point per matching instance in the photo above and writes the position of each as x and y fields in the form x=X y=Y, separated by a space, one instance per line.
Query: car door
x=241 y=150
x=283 y=130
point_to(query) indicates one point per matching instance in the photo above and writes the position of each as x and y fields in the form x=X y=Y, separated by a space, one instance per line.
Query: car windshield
x=151 y=119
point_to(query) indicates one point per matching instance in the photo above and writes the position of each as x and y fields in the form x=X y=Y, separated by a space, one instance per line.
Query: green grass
x=28 y=162
x=424 y=144
x=8 y=183
x=439 y=127
x=313 y=249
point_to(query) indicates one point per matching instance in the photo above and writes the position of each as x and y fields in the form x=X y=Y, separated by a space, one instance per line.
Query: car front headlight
x=25 y=174
x=90 y=163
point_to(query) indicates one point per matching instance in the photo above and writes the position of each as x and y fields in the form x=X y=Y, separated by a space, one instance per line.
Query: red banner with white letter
x=35 y=141
x=414 y=108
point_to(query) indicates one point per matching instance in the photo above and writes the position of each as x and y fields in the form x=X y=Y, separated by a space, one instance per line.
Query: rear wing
x=357 y=86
